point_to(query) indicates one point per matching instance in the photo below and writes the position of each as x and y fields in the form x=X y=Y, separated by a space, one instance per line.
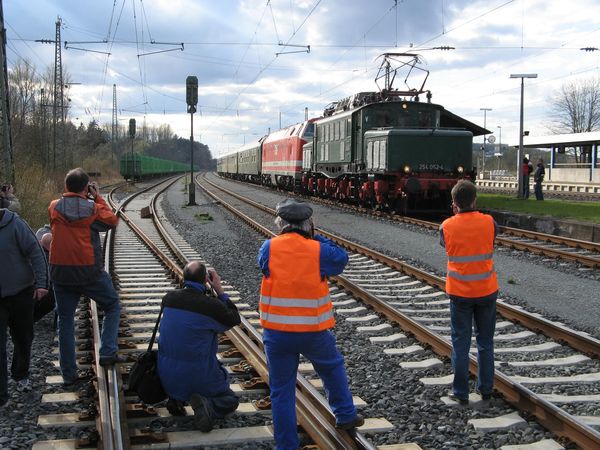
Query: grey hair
x=304 y=226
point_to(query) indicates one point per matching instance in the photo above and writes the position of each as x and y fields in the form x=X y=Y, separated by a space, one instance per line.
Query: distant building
x=573 y=157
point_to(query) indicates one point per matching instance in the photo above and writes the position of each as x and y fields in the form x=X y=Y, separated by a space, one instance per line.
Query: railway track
x=578 y=251
x=145 y=258
x=528 y=346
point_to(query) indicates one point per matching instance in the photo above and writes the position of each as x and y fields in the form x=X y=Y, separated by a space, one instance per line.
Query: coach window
x=369 y=154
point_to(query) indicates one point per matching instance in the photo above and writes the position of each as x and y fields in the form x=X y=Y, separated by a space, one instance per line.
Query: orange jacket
x=295 y=297
x=76 y=250
x=469 y=241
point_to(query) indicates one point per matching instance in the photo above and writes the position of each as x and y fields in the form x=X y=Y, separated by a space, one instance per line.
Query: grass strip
x=563 y=209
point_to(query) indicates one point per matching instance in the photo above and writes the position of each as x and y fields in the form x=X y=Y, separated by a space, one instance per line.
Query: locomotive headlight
x=460 y=169
x=407 y=169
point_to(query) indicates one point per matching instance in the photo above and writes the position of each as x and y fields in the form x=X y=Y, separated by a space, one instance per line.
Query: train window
x=376 y=155
x=348 y=126
x=382 y=155
x=383 y=119
x=292 y=130
x=309 y=131
x=369 y=155
x=326 y=152
x=342 y=129
x=336 y=127
x=342 y=150
x=322 y=153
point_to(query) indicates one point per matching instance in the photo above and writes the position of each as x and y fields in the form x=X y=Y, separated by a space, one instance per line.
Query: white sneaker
x=24 y=385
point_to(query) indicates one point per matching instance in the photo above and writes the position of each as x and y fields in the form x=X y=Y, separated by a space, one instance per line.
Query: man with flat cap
x=296 y=314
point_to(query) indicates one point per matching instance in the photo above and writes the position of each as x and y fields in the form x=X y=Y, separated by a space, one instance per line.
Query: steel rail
x=590 y=261
x=552 y=417
x=110 y=403
x=318 y=426
x=581 y=342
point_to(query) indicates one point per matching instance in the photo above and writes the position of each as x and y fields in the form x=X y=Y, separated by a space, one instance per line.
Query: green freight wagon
x=142 y=166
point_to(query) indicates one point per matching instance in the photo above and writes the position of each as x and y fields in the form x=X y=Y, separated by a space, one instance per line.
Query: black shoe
x=176 y=408
x=111 y=360
x=202 y=413
x=460 y=401
x=486 y=396
x=357 y=422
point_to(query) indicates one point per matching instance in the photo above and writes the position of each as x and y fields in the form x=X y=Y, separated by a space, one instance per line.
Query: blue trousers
x=462 y=313
x=525 y=186
x=16 y=314
x=283 y=351
x=103 y=293
x=223 y=403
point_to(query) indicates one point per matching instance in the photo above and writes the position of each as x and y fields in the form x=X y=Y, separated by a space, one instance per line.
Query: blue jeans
x=525 y=186
x=283 y=351
x=462 y=313
x=103 y=293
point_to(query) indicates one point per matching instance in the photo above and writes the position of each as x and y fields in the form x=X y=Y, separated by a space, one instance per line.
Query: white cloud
x=244 y=87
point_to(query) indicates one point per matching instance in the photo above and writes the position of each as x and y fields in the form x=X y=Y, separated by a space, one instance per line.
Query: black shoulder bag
x=143 y=377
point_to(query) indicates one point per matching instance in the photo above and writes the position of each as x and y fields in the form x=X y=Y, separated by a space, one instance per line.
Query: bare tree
x=22 y=81
x=576 y=108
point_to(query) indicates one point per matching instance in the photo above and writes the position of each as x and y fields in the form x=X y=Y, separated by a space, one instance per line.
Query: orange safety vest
x=295 y=297
x=469 y=239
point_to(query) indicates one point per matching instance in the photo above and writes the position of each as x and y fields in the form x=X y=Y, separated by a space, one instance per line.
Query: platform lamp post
x=132 y=136
x=522 y=76
x=485 y=110
x=191 y=98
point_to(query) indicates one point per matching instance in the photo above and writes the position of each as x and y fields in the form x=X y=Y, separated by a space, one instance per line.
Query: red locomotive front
x=282 y=155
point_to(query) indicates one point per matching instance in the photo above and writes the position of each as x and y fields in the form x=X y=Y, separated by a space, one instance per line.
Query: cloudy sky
x=245 y=88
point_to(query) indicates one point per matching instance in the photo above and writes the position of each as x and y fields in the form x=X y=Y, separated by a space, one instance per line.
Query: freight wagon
x=139 y=166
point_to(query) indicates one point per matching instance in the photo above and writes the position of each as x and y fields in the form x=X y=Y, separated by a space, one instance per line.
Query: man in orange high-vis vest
x=472 y=287
x=296 y=314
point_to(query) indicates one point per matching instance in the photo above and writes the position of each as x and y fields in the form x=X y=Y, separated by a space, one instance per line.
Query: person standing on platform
x=472 y=286
x=23 y=282
x=526 y=170
x=538 y=177
x=77 y=268
x=296 y=314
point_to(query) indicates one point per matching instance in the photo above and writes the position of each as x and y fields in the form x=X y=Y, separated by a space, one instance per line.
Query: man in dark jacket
x=76 y=267
x=538 y=177
x=24 y=281
x=187 y=348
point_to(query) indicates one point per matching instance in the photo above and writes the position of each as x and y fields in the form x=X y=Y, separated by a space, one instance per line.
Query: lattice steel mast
x=6 y=141
x=58 y=103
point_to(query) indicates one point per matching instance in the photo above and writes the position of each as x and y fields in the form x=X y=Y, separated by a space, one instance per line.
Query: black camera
x=5 y=187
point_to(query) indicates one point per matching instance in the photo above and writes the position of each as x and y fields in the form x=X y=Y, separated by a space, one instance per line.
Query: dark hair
x=464 y=194
x=5 y=187
x=195 y=271
x=76 y=180
x=525 y=159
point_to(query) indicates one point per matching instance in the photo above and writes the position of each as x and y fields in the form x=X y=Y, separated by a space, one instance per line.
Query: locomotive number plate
x=431 y=167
